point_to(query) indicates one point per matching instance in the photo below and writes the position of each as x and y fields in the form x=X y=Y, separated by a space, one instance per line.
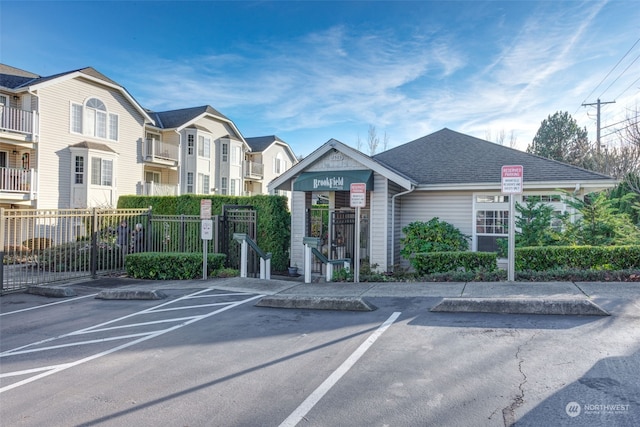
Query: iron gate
x=238 y=219
x=45 y=246
x=336 y=230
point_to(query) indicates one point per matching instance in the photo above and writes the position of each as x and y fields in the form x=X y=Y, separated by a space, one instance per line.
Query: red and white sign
x=512 y=179
x=205 y=209
x=358 y=195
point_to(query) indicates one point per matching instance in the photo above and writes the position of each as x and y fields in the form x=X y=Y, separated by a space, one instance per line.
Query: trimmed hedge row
x=274 y=218
x=444 y=262
x=545 y=258
x=171 y=265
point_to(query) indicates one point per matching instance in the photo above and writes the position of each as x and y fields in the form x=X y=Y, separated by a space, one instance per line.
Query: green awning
x=333 y=180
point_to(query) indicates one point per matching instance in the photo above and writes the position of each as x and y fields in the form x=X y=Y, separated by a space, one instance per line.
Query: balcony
x=155 y=189
x=158 y=152
x=18 y=184
x=253 y=170
x=22 y=122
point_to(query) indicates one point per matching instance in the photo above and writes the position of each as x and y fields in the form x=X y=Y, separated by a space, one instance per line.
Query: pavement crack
x=508 y=413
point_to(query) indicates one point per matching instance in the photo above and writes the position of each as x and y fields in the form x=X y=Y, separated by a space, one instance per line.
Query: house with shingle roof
x=69 y=140
x=269 y=157
x=78 y=139
x=447 y=174
x=193 y=150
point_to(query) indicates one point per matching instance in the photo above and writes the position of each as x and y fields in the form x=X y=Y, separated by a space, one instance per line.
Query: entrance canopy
x=333 y=180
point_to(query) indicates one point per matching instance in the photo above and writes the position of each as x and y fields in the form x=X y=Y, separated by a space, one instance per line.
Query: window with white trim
x=204 y=183
x=101 y=171
x=93 y=119
x=225 y=152
x=189 y=182
x=204 y=147
x=79 y=170
x=223 y=185
x=491 y=221
x=232 y=188
x=191 y=142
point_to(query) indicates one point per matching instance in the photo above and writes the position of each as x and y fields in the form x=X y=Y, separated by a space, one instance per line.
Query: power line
x=624 y=71
x=611 y=71
x=634 y=82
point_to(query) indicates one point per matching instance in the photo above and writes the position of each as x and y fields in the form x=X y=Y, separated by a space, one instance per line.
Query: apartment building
x=79 y=140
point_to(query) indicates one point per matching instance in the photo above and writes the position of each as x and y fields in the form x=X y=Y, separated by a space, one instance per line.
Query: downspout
x=35 y=186
x=393 y=223
x=179 y=162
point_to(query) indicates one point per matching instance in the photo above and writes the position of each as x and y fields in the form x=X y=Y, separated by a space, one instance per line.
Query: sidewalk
x=555 y=290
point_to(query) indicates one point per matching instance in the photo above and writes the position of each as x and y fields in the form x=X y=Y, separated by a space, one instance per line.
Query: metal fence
x=43 y=246
x=46 y=246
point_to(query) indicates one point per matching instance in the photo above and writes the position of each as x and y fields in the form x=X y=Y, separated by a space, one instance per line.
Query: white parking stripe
x=47 y=305
x=311 y=401
x=119 y=319
x=57 y=368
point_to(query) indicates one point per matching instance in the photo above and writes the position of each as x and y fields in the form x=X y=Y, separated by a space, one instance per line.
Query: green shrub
x=171 y=265
x=432 y=236
x=552 y=258
x=443 y=262
x=273 y=217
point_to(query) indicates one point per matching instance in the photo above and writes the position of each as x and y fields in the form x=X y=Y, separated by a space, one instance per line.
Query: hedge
x=444 y=262
x=171 y=265
x=545 y=258
x=273 y=216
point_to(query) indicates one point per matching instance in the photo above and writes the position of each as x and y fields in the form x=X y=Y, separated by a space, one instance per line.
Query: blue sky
x=311 y=71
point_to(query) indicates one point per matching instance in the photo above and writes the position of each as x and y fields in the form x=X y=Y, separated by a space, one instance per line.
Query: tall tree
x=560 y=138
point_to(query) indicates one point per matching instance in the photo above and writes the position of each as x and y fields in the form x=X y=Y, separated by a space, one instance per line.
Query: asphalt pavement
x=573 y=298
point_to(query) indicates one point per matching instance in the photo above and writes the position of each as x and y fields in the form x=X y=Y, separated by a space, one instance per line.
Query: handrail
x=265 y=258
x=326 y=260
x=243 y=237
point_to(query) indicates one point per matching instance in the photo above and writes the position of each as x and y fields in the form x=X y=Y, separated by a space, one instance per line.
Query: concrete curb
x=131 y=294
x=316 y=303
x=51 y=291
x=579 y=307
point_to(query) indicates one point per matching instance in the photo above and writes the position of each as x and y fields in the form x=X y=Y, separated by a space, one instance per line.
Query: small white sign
x=206 y=229
x=358 y=195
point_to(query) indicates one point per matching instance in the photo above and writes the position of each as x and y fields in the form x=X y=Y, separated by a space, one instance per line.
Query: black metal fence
x=46 y=246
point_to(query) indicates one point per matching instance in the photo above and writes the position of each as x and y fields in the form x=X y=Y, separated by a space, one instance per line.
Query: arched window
x=93 y=119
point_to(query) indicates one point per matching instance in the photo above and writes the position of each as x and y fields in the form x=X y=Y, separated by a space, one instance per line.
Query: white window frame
x=225 y=152
x=204 y=146
x=102 y=171
x=224 y=185
x=79 y=169
x=92 y=118
x=189 y=188
x=498 y=205
x=191 y=142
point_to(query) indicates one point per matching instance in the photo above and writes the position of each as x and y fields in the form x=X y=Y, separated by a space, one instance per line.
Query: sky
x=309 y=71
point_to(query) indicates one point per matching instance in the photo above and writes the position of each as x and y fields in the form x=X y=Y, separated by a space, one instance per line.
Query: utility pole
x=598 y=104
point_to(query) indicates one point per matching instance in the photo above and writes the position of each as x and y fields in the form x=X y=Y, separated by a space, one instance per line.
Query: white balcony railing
x=14 y=180
x=253 y=170
x=157 y=150
x=155 y=189
x=17 y=120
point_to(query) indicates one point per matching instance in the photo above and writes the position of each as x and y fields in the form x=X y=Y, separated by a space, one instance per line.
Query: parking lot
x=206 y=355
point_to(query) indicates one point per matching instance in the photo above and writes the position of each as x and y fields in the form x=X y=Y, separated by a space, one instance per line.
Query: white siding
x=379 y=223
x=298 y=202
x=54 y=157
x=455 y=208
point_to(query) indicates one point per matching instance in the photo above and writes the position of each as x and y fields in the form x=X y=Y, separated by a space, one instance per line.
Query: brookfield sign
x=333 y=180
x=330 y=182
